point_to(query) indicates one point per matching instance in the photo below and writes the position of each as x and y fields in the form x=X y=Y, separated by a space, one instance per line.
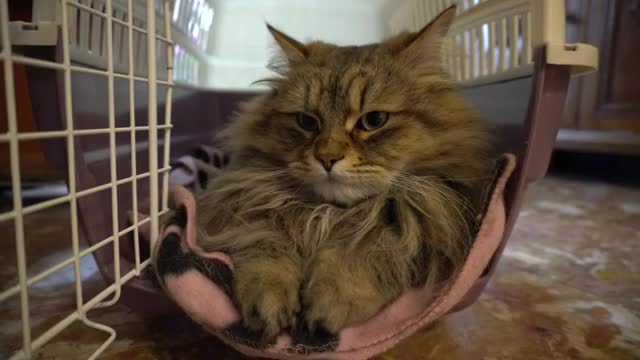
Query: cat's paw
x=267 y=302
x=334 y=301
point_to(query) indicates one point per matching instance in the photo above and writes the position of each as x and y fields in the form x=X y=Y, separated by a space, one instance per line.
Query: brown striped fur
x=399 y=208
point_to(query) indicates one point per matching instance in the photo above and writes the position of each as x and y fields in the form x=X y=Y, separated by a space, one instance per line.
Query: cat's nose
x=328 y=160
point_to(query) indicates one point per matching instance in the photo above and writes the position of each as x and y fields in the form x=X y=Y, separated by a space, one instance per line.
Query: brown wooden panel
x=623 y=86
x=610 y=99
x=577 y=15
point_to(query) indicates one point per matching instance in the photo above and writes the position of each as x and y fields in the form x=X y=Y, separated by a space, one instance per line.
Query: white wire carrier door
x=111 y=54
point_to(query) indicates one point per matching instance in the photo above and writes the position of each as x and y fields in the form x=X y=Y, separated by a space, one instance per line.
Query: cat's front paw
x=268 y=301
x=333 y=300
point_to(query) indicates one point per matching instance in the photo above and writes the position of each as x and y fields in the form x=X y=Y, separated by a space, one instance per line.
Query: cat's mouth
x=338 y=186
x=338 y=189
x=332 y=178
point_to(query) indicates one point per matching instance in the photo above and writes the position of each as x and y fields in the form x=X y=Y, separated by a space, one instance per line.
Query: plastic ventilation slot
x=497 y=46
x=87 y=37
x=489 y=39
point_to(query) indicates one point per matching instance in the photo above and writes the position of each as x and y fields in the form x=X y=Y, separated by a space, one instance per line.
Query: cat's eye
x=307 y=122
x=373 y=120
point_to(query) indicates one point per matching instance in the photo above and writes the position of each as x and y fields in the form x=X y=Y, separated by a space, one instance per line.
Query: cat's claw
x=270 y=314
x=266 y=308
x=330 y=308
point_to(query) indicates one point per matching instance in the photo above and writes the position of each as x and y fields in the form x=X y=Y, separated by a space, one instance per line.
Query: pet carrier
x=121 y=88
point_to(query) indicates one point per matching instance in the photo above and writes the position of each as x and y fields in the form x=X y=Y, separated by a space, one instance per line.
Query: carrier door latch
x=33 y=33
x=42 y=30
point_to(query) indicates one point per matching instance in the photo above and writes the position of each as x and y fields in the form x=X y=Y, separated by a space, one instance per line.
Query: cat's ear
x=294 y=50
x=426 y=45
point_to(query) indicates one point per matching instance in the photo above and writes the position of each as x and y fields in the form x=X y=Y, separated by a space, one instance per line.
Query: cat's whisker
x=437 y=177
x=412 y=183
x=458 y=205
x=420 y=181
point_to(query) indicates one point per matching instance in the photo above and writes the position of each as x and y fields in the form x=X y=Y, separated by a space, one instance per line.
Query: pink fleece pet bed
x=201 y=284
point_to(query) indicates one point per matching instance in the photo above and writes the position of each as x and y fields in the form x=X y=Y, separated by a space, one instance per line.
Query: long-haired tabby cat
x=352 y=180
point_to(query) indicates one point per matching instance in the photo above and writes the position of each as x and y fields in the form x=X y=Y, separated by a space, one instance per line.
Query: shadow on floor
x=623 y=170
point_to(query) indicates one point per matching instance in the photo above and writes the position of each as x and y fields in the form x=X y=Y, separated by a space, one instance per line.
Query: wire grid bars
x=111 y=23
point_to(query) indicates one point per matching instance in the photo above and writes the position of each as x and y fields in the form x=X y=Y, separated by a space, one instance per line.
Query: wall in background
x=240 y=45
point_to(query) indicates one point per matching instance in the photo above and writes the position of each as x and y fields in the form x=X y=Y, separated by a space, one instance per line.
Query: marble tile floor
x=567 y=287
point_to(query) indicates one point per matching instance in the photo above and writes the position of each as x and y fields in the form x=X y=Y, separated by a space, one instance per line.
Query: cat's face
x=347 y=122
x=350 y=122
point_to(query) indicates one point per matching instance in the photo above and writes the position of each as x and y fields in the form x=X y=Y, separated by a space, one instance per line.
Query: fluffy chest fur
x=421 y=227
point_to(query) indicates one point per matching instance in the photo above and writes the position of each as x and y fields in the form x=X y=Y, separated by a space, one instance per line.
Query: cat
x=354 y=178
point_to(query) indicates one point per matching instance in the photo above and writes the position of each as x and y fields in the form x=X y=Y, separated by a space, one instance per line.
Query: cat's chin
x=340 y=193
